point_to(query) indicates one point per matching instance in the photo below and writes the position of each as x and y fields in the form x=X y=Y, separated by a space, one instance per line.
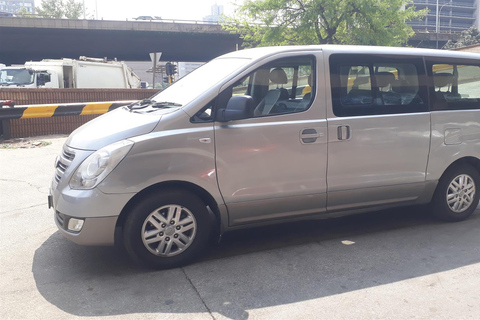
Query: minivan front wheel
x=167 y=229
x=457 y=194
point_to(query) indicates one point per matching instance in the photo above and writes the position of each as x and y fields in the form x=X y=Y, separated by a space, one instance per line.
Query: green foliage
x=24 y=13
x=291 y=22
x=468 y=37
x=51 y=8
x=72 y=9
x=60 y=9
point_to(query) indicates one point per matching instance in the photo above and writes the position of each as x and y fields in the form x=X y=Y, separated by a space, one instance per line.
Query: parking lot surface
x=395 y=264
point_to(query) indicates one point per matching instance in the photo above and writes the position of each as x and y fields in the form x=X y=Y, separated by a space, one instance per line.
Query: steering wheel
x=279 y=107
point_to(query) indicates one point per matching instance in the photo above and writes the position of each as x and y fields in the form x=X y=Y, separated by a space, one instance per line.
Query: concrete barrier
x=57 y=111
x=72 y=113
x=66 y=109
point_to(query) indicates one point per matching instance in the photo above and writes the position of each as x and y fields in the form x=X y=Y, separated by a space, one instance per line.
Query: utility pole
x=154 y=69
x=436 y=25
x=155 y=57
x=437 y=21
x=160 y=69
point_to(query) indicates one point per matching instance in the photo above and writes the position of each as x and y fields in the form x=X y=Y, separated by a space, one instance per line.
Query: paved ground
x=396 y=264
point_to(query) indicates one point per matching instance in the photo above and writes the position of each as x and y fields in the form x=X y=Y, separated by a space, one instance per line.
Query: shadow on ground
x=259 y=267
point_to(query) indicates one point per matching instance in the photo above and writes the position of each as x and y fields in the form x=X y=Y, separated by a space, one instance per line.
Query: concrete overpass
x=24 y=39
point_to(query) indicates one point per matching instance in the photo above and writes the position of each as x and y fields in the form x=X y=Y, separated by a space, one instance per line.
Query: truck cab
x=21 y=77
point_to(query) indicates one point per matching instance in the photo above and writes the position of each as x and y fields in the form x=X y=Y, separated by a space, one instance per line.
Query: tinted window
x=457 y=86
x=368 y=85
x=356 y=85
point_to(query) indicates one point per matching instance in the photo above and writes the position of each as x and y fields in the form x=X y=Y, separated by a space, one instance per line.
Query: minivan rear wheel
x=167 y=229
x=457 y=193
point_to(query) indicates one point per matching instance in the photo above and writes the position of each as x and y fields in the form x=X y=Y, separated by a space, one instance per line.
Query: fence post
x=5 y=129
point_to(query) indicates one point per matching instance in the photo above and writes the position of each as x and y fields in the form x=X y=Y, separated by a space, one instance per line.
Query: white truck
x=70 y=73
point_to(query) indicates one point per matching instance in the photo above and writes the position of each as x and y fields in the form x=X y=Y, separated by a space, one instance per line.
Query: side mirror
x=238 y=107
x=43 y=78
x=40 y=79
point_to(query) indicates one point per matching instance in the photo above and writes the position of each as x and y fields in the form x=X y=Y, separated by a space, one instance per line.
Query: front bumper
x=95 y=231
x=98 y=210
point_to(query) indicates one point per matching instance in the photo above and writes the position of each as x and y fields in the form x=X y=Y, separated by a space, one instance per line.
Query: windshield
x=199 y=81
x=16 y=77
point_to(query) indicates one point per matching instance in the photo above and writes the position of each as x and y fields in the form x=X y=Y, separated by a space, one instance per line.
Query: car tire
x=457 y=193
x=167 y=229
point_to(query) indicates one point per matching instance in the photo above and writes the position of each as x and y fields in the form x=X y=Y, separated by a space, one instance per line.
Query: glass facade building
x=14 y=6
x=454 y=16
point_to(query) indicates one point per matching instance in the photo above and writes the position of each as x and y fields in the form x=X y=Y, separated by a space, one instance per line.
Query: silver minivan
x=269 y=135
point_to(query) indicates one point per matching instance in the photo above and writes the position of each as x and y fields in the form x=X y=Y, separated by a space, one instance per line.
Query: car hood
x=114 y=126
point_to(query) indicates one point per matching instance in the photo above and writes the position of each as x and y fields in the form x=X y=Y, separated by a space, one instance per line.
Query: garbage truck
x=70 y=73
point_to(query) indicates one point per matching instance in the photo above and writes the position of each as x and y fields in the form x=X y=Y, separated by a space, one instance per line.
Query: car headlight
x=99 y=164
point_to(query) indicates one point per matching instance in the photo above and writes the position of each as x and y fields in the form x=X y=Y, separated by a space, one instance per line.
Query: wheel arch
x=472 y=161
x=440 y=205
x=204 y=195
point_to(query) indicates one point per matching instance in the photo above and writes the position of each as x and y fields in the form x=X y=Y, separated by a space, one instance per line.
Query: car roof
x=330 y=49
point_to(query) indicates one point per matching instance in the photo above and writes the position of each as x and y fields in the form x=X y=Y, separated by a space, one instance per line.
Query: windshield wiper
x=140 y=104
x=152 y=103
x=165 y=104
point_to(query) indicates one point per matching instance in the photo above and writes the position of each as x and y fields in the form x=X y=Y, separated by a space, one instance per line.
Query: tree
x=285 y=22
x=468 y=37
x=23 y=12
x=72 y=9
x=60 y=9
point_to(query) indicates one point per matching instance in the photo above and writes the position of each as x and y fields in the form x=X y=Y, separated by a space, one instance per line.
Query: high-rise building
x=453 y=15
x=216 y=12
x=14 y=6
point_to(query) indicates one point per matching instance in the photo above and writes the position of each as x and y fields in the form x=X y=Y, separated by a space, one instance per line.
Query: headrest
x=283 y=94
x=360 y=80
x=384 y=78
x=442 y=79
x=261 y=77
x=278 y=76
x=310 y=79
x=402 y=86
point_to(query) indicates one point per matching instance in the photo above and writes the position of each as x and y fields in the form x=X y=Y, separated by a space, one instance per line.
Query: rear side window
x=457 y=86
x=369 y=85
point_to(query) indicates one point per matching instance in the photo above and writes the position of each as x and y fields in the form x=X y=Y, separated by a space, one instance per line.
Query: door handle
x=310 y=135
x=343 y=133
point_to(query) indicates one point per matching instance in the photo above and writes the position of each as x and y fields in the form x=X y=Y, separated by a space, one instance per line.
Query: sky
x=167 y=9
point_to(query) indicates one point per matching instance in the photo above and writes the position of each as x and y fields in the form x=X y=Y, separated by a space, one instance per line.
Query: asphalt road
x=396 y=264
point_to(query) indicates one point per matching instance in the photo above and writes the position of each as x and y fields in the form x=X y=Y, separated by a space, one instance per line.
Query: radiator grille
x=63 y=163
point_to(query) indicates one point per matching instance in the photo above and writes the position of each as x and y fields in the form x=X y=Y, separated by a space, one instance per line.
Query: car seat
x=278 y=77
x=385 y=81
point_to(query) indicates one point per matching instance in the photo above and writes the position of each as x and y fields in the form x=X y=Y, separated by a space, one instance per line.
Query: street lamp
x=437 y=20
